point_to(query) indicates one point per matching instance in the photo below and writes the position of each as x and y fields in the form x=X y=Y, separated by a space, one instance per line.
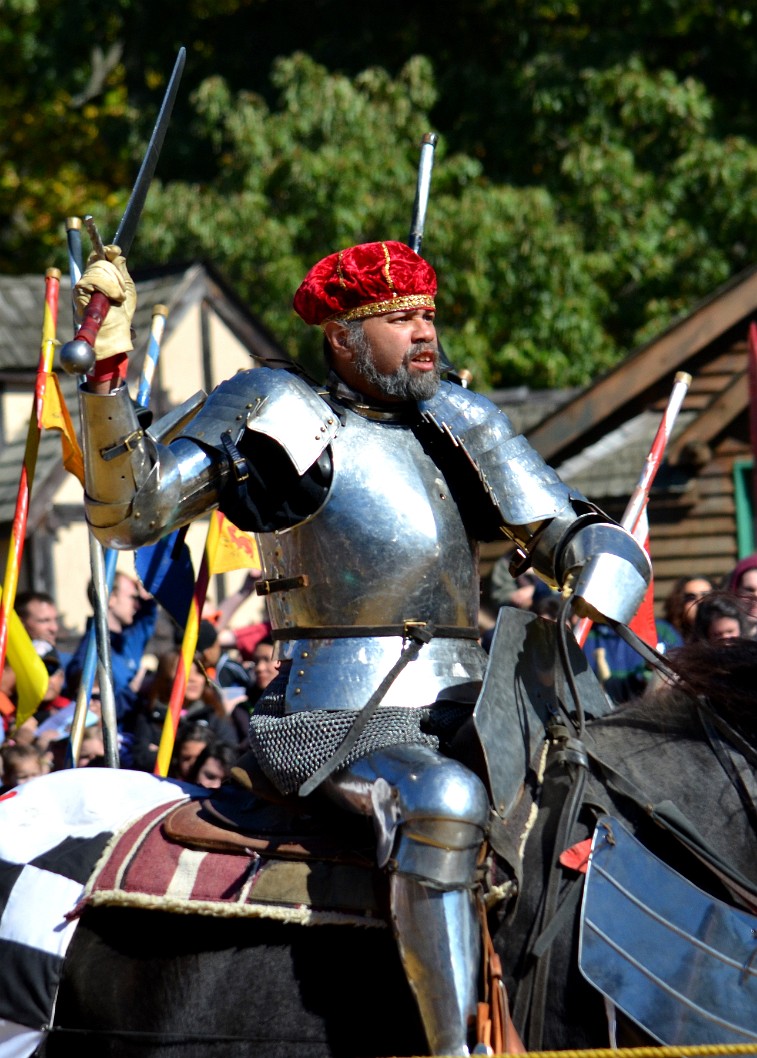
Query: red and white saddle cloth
x=98 y=837
x=147 y=867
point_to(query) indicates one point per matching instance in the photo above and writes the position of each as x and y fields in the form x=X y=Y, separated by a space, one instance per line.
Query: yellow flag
x=55 y=416
x=31 y=674
x=234 y=550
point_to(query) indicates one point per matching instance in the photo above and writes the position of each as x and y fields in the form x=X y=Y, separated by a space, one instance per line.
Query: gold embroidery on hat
x=385 y=269
x=339 y=272
x=380 y=308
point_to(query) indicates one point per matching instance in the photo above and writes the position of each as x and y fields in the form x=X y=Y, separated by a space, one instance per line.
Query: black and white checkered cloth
x=53 y=830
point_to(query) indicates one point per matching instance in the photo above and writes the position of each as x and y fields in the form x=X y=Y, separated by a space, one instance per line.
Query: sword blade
x=127 y=229
x=425 y=166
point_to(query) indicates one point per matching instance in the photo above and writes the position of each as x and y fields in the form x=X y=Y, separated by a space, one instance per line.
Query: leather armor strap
x=419 y=633
x=667 y=815
x=408 y=630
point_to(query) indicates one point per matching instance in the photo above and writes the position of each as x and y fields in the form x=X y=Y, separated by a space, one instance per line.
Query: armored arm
x=138 y=489
x=568 y=541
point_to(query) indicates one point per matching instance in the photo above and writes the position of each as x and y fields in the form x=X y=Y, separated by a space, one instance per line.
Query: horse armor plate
x=678 y=962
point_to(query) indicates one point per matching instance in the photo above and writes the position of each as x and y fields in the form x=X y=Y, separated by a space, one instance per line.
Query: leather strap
x=494 y=1026
x=418 y=635
x=408 y=629
x=669 y=816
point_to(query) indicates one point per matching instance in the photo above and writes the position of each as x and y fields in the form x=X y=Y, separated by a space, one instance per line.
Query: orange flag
x=234 y=550
x=54 y=415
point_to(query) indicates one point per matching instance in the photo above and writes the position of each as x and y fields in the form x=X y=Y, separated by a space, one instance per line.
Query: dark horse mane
x=722 y=677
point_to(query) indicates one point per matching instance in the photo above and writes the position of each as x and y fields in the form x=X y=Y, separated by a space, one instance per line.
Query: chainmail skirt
x=290 y=748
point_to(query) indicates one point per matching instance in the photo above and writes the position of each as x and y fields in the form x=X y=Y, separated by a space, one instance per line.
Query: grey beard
x=402 y=385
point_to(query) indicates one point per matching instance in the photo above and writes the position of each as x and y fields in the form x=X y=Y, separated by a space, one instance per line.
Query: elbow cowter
x=608 y=571
x=136 y=491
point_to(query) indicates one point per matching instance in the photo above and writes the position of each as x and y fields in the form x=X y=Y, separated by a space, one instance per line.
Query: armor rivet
x=330 y=422
x=298 y=690
x=249 y=405
x=305 y=654
x=323 y=429
x=137 y=514
x=239 y=418
x=301 y=672
x=442 y=495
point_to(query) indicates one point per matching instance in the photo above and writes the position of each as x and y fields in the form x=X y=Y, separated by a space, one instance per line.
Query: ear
x=337 y=336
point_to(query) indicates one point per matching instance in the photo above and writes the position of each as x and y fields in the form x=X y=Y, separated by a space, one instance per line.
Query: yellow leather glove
x=110 y=277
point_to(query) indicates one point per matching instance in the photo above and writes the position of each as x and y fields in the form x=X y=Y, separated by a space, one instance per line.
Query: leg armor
x=430 y=815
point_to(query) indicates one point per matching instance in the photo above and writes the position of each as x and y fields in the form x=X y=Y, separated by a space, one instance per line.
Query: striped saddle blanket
x=188 y=859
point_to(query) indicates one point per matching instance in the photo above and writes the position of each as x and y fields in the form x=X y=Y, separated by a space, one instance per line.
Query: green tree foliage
x=335 y=162
x=63 y=121
x=594 y=178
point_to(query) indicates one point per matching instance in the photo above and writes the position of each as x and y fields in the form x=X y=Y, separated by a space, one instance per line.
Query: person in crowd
x=228 y=674
x=192 y=738
x=7 y=701
x=202 y=702
x=213 y=766
x=265 y=669
x=19 y=763
x=39 y=615
x=620 y=669
x=721 y=617
x=369 y=495
x=742 y=581
x=521 y=590
x=54 y=698
x=682 y=602
x=92 y=748
x=132 y=613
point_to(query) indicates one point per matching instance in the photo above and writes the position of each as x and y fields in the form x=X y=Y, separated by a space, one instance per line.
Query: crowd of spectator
x=232 y=667
x=696 y=609
x=221 y=687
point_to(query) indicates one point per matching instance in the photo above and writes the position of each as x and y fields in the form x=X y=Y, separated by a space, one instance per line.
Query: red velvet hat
x=367 y=280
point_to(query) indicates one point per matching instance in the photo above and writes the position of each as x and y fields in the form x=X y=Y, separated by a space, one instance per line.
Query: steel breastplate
x=387 y=547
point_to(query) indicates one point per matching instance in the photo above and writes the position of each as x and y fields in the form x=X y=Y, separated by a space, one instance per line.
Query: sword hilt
x=77 y=357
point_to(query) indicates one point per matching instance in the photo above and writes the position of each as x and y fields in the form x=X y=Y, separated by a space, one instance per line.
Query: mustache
x=421 y=350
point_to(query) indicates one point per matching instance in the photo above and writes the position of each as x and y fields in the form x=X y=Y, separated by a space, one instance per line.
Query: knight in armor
x=370 y=494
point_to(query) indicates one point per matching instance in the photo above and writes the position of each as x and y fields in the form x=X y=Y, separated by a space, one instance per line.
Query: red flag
x=643 y=623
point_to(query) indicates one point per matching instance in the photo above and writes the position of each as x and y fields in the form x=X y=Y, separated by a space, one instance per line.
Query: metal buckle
x=128 y=444
x=420 y=631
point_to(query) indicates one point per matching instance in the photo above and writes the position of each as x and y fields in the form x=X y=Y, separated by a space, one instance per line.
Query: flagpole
x=75 y=259
x=99 y=633
x=157 y=329
x=640 y=496
x=188 y=647
x=21 y=515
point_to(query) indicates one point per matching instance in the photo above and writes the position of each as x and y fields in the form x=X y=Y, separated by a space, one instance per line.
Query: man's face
x=264 y=666
x=124 y=600
x=41 y=621
x=394 y=357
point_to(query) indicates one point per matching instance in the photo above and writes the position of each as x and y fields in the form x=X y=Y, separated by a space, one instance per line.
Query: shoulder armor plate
x=521 y=485
x=276 y=403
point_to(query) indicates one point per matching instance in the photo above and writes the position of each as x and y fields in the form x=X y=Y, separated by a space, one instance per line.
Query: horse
x=676 y=769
